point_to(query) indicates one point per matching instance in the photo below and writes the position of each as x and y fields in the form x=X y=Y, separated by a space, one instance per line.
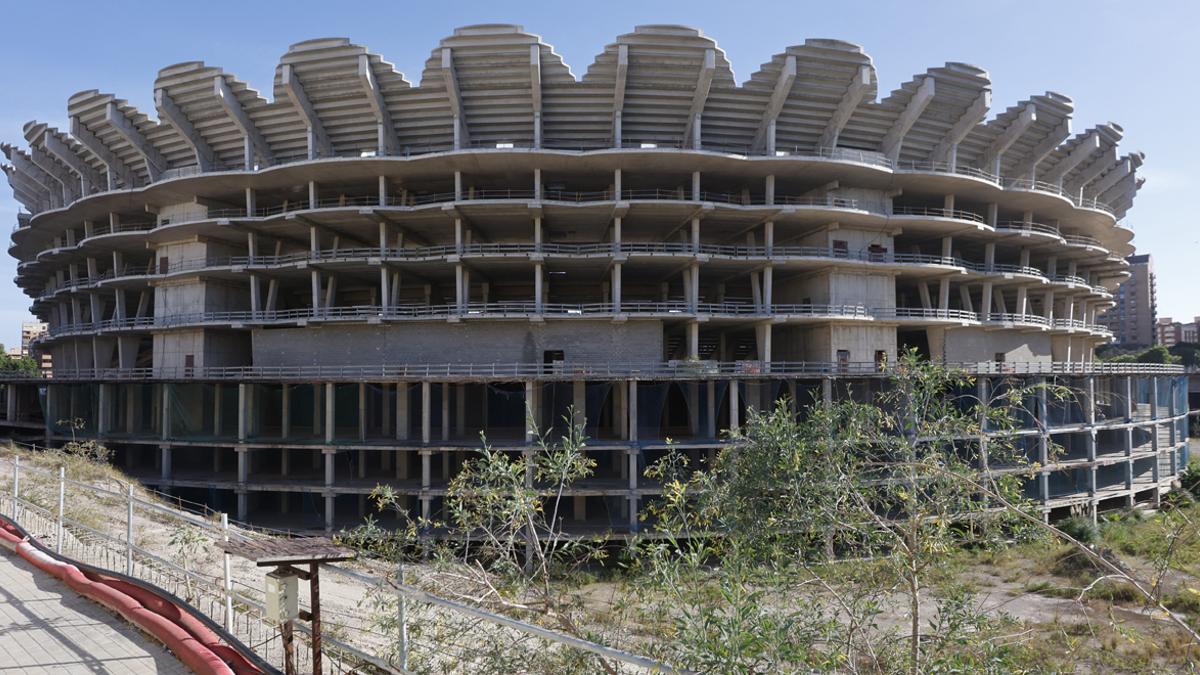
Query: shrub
x=1189 y=478
x=1177 y=499
x=1081 y=529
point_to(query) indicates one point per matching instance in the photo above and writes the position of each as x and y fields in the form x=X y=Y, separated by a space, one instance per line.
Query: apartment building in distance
x=1133 y=318
x=30 y=331
x=1171 y=332
x=273 y=303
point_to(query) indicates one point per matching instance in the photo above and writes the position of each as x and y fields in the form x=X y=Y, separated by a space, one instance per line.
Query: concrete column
x=243 y=463
x=362 y=411
x=243 y=422
x=616 y=288
x=632 y=395
x=693 y=407
x=329 y=455
x=923 y=292
x=330 y=419
x=579 y=402
x=986 y=301
x=426 y=412
x=316 y=291
x=165 y=462
x=530 y=411
x=402 y=422
x=10 y=403
x=285 y=417
x=537 y=287
x=444 y=388
x=165 y=409
x=733 y=405
x=693 y=339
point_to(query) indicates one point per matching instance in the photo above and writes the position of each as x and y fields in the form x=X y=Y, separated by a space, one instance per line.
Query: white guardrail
x=37 y=499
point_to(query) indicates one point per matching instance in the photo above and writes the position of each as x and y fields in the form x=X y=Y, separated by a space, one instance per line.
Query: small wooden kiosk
x=289 y=557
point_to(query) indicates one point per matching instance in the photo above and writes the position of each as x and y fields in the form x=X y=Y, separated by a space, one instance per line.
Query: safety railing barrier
x=667 y=370
x=1082 y=240
x=947 y=167
x=1027 y=227
x=931 y=212
x=130 y=533
x=1021 y=319
x=1069 y=279
x=868 y=157
x=523 y=308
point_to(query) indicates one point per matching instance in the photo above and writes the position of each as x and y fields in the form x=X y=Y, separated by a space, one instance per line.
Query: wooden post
x=315 y=595
x=289 y=649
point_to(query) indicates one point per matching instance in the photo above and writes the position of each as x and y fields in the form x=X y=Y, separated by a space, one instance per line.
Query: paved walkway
x=45 y=627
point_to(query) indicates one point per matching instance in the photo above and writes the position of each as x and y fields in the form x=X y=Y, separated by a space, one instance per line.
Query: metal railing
x=1028 y=227
x=838 y=154
x=946 y=167
x=500 y=309
x=931 y=212
x=684 y=369
x=119 y=543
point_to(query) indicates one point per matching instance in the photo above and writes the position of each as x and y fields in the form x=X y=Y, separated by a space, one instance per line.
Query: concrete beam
x=1113 y=176
x=462 y=135
x=88 y=178
x=32 y=194
x=764 y=137
x=318 y=141
x=846 y=107
x=619 y=92
x=1124 y=188
x=894 y=139
x=990 y=160
x=154 y=161
x=69 y=184
x=32 y=177
x=1093 y=170
x=117 y=170
x=691 y=132
x=1082 y=151
x=1028 y=166
x=169 y=110
x=947 y=149
x=256 y=144
x=389 y=144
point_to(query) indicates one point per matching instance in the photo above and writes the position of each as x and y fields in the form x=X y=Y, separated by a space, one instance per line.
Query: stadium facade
x=272 y=305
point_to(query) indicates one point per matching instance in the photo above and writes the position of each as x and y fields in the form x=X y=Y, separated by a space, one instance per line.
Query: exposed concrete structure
x=275 y=305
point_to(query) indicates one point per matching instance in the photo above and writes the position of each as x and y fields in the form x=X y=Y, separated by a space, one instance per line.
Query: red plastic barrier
x=8 y=537
x=193 y=642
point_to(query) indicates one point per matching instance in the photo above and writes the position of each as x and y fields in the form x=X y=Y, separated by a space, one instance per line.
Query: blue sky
x=1130 y=63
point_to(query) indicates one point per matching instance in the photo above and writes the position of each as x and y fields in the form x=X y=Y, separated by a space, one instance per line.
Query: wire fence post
x=62 y=502
x=16 y=484
x=402 y=620
x=228 y=577
x=129 y=532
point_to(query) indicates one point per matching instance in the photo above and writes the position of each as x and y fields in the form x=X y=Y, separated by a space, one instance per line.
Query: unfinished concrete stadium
x=271 y=306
